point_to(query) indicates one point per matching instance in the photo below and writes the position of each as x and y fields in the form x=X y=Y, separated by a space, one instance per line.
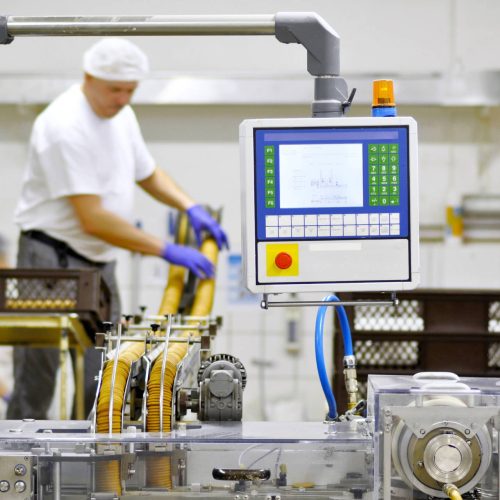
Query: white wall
x=459 y=149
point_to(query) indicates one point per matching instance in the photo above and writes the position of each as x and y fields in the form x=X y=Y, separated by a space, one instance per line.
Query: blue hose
x=320 y=358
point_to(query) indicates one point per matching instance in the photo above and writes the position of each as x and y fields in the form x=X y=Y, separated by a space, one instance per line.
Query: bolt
x=467 y=431
x=469 y=442
x=19 y=470
x=422 y=431
x=387 y=412
x=4 y=486
x=19 y=486
x=420 y=463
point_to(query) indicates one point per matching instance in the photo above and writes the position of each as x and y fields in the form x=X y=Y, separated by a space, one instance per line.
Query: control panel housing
x=330 y=204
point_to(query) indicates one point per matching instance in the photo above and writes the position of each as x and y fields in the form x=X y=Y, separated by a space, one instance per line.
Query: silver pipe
x=313 y=303
x=56 y=479
x=141 y=25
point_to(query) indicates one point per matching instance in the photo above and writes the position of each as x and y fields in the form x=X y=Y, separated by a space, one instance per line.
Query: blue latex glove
x=200 y=219
x=190 y=258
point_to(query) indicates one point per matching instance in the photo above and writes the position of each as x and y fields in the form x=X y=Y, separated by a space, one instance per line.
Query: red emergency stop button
x=283 y=260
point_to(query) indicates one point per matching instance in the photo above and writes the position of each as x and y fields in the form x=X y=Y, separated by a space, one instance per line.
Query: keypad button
x=323 y=220
x=362 y=219
x=337 y=231
x=374 y=230
x=285 y=232
x=271 y=232
x=285 y=220
x=297 y=220
x=349 y=230
x=311 y=231
x=394 y=218
x=384 y=230
x=270 y=203
x=297 y=231
x=362 y=230
x=374 y=201
x=384 y=218
x=395 y=229
x=374 y=218
x=323 y=231
x=337 y=220
x=349 y=219
x=271 y=220
x=311 y=220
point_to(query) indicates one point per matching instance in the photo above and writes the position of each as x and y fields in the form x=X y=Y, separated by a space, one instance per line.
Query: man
x=86 y=155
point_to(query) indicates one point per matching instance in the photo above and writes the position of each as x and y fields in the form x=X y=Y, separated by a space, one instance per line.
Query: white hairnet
x=115 y=59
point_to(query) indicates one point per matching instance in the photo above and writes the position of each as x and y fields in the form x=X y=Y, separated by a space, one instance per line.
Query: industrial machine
x=330 y=203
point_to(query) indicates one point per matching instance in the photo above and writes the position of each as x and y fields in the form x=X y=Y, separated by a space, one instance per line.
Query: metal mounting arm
x=319 y=39
x=307 y=28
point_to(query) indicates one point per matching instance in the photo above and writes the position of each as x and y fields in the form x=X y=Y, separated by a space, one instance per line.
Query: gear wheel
x=222 y=359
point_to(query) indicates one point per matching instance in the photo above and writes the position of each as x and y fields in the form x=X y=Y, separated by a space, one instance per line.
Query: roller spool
x=159 y=475
x=446 y=452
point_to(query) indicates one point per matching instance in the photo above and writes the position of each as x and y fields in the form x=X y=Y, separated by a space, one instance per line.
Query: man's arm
x=105 y=225
x=162 y=187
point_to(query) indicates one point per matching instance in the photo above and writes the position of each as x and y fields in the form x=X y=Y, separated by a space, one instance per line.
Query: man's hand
x=200 y=219
x=190 y=258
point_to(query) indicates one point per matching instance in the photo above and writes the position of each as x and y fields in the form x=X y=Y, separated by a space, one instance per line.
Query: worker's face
x=106 y=97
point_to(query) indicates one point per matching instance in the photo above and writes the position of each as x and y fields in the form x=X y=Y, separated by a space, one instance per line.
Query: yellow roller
x=158 y=470
x=159 y=474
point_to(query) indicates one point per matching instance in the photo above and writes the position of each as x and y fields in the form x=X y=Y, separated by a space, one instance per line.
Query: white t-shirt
x=73 y=151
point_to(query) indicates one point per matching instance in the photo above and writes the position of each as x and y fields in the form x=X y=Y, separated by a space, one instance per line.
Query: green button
x=384 y=179
x=269 y=161
x=394 y=200
x=269 y=193
x=393 y=168
x=383 y=169
x=269 y=150
x=372 y=159
x=394 y=158
x=394 y=190
x=384 y=190
x=383 y=159
x=383 y=148
x=373 y=190
x=394 y=179
x=373 y=180
x=269 y=182
x=270 y=203
x=373 y=169
x=269 y=171
x=373 y=148
x=374 y=201
x=393 y=148
x=384 y=200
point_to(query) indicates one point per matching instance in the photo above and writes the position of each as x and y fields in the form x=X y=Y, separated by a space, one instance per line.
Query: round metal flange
x=448 y=458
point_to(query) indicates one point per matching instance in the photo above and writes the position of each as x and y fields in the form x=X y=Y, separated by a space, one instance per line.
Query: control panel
x=330 y=204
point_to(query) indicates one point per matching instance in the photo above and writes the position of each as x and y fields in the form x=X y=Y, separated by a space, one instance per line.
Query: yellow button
x=274 y=258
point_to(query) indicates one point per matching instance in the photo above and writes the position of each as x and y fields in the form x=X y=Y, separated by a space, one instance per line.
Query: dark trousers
x=35 y=369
